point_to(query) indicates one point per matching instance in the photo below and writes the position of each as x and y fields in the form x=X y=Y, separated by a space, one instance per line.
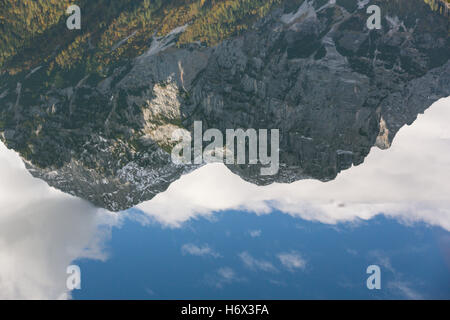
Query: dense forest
x=33 y=32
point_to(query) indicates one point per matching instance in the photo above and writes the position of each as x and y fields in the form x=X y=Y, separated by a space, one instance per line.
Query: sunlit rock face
x=409 y=183
x=332 y=87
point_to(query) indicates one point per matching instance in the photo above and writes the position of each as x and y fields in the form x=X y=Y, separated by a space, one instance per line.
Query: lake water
x=212 y=235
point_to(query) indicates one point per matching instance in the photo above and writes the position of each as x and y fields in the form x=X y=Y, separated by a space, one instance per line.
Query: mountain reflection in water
x=42 y=231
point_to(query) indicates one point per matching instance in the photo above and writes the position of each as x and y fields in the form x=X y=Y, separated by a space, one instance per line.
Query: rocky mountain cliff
x=332 y=87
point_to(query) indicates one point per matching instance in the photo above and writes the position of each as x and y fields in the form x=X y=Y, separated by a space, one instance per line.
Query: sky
x=211 y=234
x=288 y=258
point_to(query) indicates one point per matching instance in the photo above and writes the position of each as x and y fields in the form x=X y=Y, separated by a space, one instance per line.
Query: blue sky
x=286 y=258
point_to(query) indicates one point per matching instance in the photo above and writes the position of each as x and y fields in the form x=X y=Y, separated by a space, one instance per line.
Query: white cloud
x=223 y=276
x=194 y=250
x=405 y=289
x=226 y=273
x=255 y=233
x=42 y=231
x=292 y=260
x=256 y=264
x=409 y=182
x=382 y=259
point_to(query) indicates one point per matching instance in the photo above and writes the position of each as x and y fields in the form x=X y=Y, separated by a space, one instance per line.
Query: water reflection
x=42 y=230
x=410 y=181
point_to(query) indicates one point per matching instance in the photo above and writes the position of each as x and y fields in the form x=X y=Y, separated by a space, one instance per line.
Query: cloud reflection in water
x=43 y=230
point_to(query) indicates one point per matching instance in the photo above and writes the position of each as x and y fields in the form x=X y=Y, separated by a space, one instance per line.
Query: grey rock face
x=332 y=87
